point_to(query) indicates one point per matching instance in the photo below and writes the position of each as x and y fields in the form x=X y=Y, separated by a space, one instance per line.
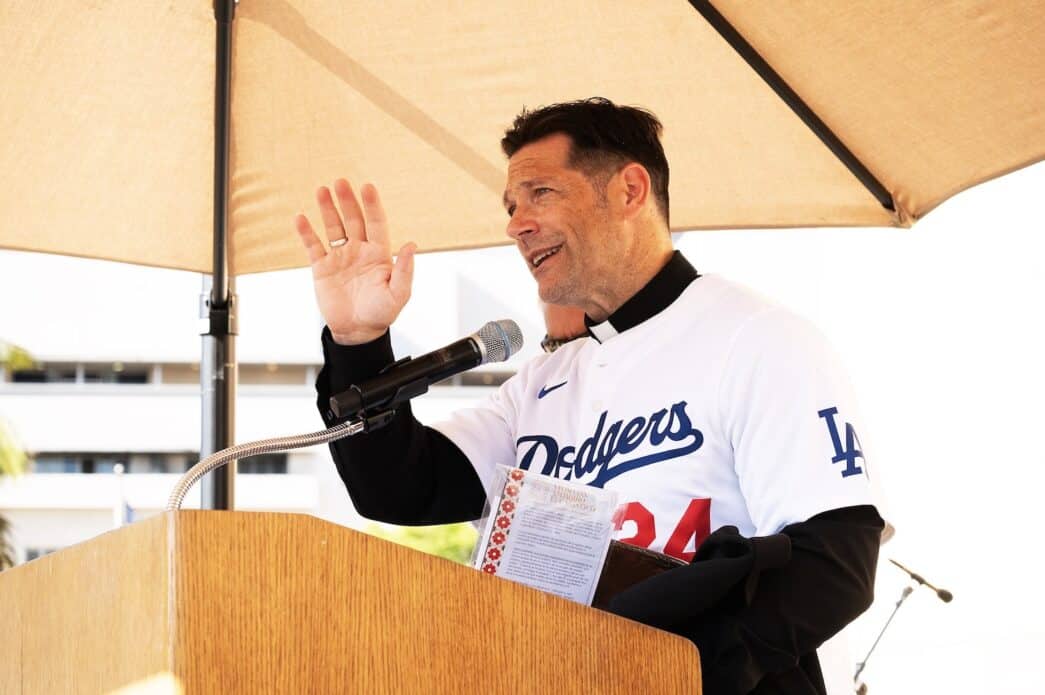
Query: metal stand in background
x=942 y=594
x=218 y=303
x=861 y=688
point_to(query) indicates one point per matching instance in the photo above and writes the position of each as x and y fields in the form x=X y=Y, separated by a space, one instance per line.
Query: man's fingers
x=331 y=218
x=402 y=277
x=374 y=212
x=309 y=240
x=350 y=211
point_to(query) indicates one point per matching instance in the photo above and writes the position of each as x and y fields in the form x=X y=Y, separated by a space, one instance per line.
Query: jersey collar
x=655 y=297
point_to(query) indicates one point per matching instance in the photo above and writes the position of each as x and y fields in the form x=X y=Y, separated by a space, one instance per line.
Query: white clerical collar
x=661 y=291
x=602 y=331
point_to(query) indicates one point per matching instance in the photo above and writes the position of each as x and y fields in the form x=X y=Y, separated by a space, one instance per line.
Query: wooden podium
x=238 y=602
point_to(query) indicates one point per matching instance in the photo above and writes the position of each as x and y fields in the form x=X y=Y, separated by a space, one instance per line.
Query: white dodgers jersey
x=722 y=409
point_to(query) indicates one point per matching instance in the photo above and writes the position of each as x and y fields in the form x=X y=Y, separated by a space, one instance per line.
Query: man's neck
x=603 y=304
x=657 y=295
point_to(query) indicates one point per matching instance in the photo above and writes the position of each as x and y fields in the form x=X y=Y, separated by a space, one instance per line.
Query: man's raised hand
x=359 y=289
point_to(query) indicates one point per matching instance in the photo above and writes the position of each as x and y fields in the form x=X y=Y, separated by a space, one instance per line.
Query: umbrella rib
x=746 y=51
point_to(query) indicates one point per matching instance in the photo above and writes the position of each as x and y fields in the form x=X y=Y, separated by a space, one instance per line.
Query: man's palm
x=359 y=289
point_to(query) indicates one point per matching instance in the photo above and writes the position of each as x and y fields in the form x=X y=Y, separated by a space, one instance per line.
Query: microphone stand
x=942 y=594
x=861 y=688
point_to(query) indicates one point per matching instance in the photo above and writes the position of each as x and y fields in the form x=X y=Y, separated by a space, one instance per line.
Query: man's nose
x=521 y=224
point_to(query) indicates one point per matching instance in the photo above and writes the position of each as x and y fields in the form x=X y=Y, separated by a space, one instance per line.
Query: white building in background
x=117 y=382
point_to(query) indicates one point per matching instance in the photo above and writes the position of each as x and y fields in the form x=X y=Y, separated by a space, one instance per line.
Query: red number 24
x=695 y=524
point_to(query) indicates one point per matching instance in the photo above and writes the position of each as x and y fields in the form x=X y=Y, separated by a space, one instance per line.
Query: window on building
x=146 y=462
x=263 y=464
x=274 y=374
x=77 y=462
x=180 y=373
x=87 y=373
x=34 y=553
x=105 y=462
x=45 y=373
x=56 y=463
x=115 y=373
x=161 y=462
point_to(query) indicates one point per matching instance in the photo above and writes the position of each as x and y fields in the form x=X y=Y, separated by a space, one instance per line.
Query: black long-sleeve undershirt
x=760 y=634
x=409 y=474
x=403 y=473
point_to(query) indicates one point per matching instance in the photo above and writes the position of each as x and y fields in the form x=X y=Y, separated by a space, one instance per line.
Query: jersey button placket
x=601 y=377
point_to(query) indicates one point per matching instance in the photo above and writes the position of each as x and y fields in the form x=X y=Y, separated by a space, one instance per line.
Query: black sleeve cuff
x=345 y=365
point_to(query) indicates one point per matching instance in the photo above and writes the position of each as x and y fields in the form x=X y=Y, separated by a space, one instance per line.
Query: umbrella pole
x=218 y=371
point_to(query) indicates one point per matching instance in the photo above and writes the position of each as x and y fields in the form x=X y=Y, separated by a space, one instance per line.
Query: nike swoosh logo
x=545 y=390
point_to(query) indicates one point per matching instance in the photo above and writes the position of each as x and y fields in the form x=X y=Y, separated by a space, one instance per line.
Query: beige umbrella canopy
x=106 y=110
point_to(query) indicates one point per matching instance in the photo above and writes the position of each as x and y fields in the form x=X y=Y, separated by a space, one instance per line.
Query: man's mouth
x=541 y=257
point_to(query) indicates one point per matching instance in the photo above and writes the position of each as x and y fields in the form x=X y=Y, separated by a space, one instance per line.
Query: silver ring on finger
x=339 y=242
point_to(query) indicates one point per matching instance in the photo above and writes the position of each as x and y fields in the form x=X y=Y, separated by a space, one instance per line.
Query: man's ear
x=636 y=187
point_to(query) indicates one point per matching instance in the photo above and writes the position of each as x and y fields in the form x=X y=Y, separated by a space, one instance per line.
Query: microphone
x=945 y=596
x=399 y=382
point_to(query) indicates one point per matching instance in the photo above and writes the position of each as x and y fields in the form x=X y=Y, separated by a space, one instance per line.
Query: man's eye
x=541 y=191
x=511 y=210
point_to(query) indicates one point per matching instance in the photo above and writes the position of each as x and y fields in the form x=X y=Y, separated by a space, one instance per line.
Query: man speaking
x=723 y=421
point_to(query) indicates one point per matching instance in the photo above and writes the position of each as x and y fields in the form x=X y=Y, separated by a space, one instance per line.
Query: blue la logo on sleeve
x=851 y=451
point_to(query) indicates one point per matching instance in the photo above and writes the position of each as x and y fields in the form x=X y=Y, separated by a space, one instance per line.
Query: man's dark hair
x=605 y=137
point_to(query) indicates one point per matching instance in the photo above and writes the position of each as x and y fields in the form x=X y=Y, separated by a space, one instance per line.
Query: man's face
x=562 y=226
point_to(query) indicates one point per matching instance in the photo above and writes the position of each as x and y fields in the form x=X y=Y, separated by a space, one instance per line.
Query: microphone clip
x=372 y=421
x=352 y=403
x=376 y=420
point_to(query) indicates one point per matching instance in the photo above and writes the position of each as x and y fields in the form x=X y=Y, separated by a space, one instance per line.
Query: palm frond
x=13 y=460
x=14 y=357
x=7 y=552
